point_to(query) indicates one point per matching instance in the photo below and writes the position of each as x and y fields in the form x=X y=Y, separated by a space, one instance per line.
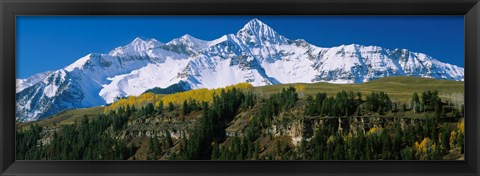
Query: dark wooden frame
x=11 y=8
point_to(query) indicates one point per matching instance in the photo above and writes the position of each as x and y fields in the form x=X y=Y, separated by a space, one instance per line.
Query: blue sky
x=53 y=42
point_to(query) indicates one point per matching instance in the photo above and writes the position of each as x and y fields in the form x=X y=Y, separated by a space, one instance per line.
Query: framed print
x=235 y=88
x=255 y=94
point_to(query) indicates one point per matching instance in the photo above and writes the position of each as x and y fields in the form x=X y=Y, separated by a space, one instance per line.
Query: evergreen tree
x=415 y=103
x=185 y=108
x=171 y=107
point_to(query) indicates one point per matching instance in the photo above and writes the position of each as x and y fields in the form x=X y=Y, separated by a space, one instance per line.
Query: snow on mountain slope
x=256 y=54
x=140 y=80
x=25 y=83
x=214 y=72
x=55 y=93
x=355 y=64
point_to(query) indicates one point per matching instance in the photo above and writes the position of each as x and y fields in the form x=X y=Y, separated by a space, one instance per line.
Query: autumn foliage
x=424 y=148
x=199 y=95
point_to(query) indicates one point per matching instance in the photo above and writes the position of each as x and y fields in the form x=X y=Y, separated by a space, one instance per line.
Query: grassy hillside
x=66 y=117
x=398 y=88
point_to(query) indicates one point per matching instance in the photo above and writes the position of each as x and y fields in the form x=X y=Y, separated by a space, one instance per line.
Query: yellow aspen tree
x=300 y=90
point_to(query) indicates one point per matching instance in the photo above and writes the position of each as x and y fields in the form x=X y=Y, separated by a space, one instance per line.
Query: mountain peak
x=137 y=46
x=255 y=22
x=138 y=40
x=257 y=32
x=255 y=25
x=188 y=43
x=191 y=39
x=187 y=37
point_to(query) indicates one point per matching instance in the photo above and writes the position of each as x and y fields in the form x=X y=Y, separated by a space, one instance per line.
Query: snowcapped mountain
x=256 y=54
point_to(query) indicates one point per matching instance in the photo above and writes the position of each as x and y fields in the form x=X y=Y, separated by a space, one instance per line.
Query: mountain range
x=256 y=54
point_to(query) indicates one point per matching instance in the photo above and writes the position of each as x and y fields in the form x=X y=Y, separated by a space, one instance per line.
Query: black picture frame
x=11 y=8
